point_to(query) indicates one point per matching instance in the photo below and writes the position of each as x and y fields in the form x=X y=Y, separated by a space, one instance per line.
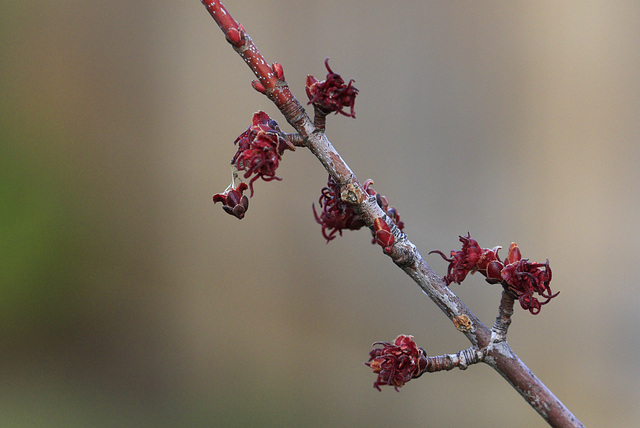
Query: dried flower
x=397 y=363
x=260 y=149
x=331 y=94
x=336 y=215
x=233 y=201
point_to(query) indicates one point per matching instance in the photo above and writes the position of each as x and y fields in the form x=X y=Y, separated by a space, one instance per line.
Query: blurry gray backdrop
x=129 y=299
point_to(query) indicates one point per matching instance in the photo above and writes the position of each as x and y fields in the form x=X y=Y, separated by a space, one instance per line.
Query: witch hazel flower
x=260 y=149
x=522 y=278
x=331 y=94
x=397 y=363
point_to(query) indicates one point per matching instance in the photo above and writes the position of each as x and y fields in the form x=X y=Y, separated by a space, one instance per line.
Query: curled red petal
x=514 y=253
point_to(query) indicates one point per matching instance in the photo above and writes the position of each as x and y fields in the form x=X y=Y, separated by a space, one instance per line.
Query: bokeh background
x=127 y=299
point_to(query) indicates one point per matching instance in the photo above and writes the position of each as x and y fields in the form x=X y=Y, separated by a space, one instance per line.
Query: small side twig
x=461 y=359
x=503 y=320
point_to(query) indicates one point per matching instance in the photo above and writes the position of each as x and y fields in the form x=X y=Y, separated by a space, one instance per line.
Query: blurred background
x=129 y=300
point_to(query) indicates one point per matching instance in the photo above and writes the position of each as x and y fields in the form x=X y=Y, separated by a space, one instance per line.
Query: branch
x=503 y=320
x=402 y=251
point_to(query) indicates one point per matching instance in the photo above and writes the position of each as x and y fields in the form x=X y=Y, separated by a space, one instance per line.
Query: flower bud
x=384 y=237
x=258 y=86
x=233 y=201
x=277 y=69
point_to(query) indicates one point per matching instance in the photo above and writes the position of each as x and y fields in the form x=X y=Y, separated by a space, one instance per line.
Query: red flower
x=331 y=95
x=523 y=279
x=233 y=201
x=397 y=363
x=260 y=149
x=336 y=214
x=466 y=260
x=517 y=275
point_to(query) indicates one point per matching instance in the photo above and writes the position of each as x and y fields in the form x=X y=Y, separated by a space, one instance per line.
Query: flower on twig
x=233 y=201
x=524 y=278
x=520 y=277
x=331 y=94
x=397 y=363
x=467 y=260
x=335 y=215
x=260 y=149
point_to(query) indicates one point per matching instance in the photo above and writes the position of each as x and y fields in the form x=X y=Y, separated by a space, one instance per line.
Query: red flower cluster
x=331 y=95
x=233 y=201
x=470 y=259
x=523 y=278
x=336 y=214
x=397 y=363
x=260 y=149
x=517 y=275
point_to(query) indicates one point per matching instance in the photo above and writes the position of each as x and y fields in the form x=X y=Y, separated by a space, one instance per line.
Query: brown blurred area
x=129 y=300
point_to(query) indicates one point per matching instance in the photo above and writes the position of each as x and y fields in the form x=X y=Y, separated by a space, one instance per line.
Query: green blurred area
x=40 y=237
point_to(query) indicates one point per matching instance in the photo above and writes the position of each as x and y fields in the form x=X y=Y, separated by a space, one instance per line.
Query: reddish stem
x=277 y=90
